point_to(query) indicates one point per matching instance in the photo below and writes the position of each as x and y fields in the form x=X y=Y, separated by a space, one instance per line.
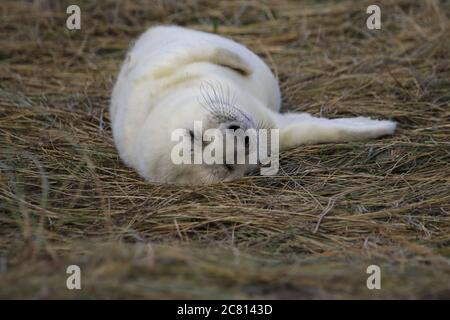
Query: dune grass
x=309 y=232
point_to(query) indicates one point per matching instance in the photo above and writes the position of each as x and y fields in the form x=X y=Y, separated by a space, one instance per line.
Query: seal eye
x=233 y=127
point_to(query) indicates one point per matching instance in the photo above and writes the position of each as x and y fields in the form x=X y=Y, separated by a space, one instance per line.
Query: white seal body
x=172 y=72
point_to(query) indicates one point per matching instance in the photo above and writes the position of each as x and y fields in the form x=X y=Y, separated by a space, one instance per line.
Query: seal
x=173 y=76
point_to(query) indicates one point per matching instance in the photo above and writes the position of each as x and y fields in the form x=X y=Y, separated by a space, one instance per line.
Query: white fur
x=171 y=70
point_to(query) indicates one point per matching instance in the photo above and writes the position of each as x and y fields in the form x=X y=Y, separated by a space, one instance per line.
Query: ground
x=309 y=232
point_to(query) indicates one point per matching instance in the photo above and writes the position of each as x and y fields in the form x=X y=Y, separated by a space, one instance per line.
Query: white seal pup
x=168 y=77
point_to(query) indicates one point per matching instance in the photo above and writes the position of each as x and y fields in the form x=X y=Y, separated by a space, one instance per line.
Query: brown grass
x=310 y=232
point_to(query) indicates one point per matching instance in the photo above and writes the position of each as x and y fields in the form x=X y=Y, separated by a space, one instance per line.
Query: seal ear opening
x=216 y=55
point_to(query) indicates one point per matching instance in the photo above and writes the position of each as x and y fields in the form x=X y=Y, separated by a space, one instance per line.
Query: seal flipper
x=301 y=128
x=213 y=54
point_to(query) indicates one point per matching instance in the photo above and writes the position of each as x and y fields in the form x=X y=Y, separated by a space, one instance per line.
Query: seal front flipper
x=208 y=53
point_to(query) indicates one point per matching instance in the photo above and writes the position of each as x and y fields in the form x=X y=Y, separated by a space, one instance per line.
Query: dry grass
x=309 y=232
